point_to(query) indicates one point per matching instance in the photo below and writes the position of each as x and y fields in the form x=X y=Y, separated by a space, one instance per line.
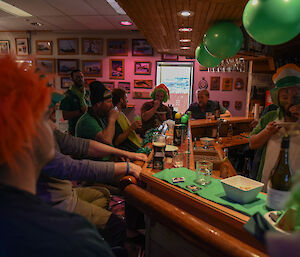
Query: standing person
x=268 y=133
x=126 y=137
x=204 y=105
x=154 y=112
x=74 y=104
x=29 y=227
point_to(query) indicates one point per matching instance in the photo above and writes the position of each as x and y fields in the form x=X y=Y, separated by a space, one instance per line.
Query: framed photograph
x=141 y=47
x=21 y=46
x=117 y=47
x=45 y=65
x=92 y=68
x=169 y=57
x=88 y=81
x=65 y=66
x=226 y=104
x=67 y=46
x=92 y=46
x=125 y=86
x=4 y=47
x=239 y=84
x=65 y=82
x=238 y=105
x=141 y=95
x=142 y=68
x=116 y=68
x=227 y=84
x=214 y=83
x=43 y=47
x=109 y=84
x=143 y=83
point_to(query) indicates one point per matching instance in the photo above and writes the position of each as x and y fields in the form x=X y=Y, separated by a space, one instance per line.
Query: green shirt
x=71 y=103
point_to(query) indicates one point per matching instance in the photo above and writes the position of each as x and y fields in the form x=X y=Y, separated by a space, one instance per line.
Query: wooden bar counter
x=179 y=223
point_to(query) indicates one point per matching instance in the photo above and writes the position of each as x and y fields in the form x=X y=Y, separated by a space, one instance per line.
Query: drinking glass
x=203 y=172
x=178 y=159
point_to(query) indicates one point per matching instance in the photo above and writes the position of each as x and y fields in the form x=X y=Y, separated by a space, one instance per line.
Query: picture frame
x=91 y=68
x=214 y=83
x=141 y=47
x=46 y=65
x=116 y=68
x=227 y=84
x=141 y=95
x=142 y=68
x=169 y=57
x=117 y=47
x=238 y=105
x=239 y=84
x=65 y=82
x=226 y=104
x=88 y=81
x=4 y=47
x=67 y=46
x=92 y=46
x=43 y=47
x=143 y=83
x=65 y=66
x=125 y=86
x=21 y=46
x=109 y=84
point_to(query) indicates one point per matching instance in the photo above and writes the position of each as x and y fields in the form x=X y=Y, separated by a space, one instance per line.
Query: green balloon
x=272 y=22
x=205 y=58
x=223 y=40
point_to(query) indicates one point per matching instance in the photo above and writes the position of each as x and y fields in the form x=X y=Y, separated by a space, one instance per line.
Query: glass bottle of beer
x=217 y=111
x=280 y=181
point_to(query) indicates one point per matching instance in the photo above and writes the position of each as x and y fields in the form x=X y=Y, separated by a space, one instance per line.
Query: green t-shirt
x=71 y=103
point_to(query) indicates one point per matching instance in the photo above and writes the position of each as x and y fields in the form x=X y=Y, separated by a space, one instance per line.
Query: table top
x=207 y=123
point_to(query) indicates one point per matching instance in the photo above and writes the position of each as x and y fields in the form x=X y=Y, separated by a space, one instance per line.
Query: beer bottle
x=280 y=181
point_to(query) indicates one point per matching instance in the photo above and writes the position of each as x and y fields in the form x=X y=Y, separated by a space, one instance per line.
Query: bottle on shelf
x=217 y=111
x=177 y=130
x=280 y=182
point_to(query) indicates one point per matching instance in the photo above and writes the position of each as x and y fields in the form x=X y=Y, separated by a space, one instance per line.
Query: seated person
x=154 y=113
x=268 y=133
x=30 y=227
x=99 y=122
x=74 y=104
x=126 y=137
x=204 y=105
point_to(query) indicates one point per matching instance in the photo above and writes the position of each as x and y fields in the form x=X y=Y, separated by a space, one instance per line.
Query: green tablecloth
x=213 y=192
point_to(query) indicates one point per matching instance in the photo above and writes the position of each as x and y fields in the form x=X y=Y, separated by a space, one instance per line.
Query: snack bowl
x=241 y=189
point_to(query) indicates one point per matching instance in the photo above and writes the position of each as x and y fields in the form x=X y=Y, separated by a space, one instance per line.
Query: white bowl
x=241 y=189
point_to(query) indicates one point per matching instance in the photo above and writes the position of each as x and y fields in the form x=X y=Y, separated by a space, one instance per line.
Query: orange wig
x=24 y=98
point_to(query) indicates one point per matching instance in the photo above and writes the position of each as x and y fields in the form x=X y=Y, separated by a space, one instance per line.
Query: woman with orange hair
x=30 y=227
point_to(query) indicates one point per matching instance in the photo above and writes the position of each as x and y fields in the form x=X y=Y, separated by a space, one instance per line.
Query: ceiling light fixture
x=185 y=47
x=185 y=13
x=184 y=40
x=36 y=24
x=126 y=23
x=116 y=6
x=185 y=29
x=13 y=10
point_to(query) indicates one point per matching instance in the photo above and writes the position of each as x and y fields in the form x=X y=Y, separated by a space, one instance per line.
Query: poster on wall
x=125 y=86
x=226 y=104
x=116 y=69
x=141 y=47
x=143 y=83
x=141 y=95
x=43 y=47
x=92 y=46
x=238 y=105
x=117 y=47
x=67 y=46
x=227 y=84
x=45 y=65
x=21 y=46
x=239 y=84
x=142 y=68
x=65 y=66
x=92 y=68
x=214 y=83
x=4 y=47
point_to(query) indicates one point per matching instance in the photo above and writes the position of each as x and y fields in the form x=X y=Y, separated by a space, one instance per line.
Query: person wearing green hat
x=154 y=112
x=74 y=104
x=268 y=133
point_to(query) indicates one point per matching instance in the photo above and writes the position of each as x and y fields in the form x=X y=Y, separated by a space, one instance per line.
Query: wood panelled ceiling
x=159 y=21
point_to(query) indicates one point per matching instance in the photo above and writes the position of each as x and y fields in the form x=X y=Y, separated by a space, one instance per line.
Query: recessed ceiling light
x=126 y=23
x=185 y=47
x=184 y=40
x=13 y=10
x=185 y=13
x=185 y=29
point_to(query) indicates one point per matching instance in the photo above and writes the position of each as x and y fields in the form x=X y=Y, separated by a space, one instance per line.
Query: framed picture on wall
x=67 y=46
x=45 y=65
x=65 y=66
x=88 y=81
x=21 y=46
x=125 y=86
x=116 y=68
x=143 y=83
x=141 y=95
x=239 y=84
x=91 y=68
x=169 y=57
x=92 y=46
x=4 y=47
x=117 y=47
x=109 y=84
x=43 y=47
x=238 y=105
x=226 y=104
x=142 y=68
x=214 y=83
x=227 y=84
x=65 y=82
x=141 y=47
